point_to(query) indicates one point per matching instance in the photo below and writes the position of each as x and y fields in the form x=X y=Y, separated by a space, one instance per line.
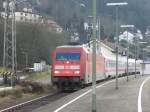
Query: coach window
x=109 y=63
x=106 y=63
x=114 y=63
x=119 y=64
x=87 y=57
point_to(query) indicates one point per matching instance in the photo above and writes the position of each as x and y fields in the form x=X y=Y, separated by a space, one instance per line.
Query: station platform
x=132 y=96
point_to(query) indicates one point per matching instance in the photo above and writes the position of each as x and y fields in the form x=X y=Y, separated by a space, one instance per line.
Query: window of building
x=21 y=18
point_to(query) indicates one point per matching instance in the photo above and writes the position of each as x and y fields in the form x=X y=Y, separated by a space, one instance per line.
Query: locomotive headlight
x=56 y=72
x=77 y=72
x=67 y=62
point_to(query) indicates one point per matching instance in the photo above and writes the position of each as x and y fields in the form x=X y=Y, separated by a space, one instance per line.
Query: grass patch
x=23 y=92
x=10 y=100
x=14 y=93
x=27 y=88
x=38 y=75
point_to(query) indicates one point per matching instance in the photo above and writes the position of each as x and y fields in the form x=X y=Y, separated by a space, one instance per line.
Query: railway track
x=35 y=103
x=43 y=100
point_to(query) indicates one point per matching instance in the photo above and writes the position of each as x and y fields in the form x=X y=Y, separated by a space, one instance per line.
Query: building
x=145 y=68
x=28 y=16
x=147 y=31
x=53 y=25
x=23 y=16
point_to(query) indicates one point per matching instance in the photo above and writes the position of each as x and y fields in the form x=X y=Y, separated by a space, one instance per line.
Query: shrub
x=31 y=87
x=2 y=93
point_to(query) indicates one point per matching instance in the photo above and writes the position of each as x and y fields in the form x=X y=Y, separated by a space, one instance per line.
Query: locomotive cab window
x=68 y=56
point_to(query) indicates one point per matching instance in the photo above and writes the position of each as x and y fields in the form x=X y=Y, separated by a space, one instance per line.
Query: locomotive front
x=66 y=68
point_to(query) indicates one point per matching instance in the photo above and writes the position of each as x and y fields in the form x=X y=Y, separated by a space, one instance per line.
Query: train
x=72 y=65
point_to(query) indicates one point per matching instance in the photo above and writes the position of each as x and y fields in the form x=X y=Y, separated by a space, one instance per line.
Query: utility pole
x=142 y=43
x=117 y=47
x=117 y=5
x=99 y=34
x=127 y=56
x=94 y=57
x=26 y=57
x=128 y=46
x=136 y=52
x=9 y=55
x=143 y=62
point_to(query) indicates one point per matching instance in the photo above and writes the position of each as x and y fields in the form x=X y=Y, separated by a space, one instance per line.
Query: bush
x=47 y=88
x=16 y=93
x=2 y=93
x=27 y=87
x=38 y=75
x=31 y=87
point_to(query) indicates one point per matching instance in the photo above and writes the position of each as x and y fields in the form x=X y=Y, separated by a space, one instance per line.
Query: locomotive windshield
x=68 y=56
